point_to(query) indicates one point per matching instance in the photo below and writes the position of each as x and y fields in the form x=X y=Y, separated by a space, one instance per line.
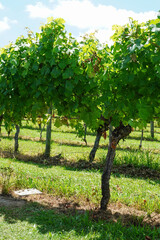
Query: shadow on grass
x=128 y=170
x=56 y=130
x=43 y=141
x=68 y=218
x=70 y=144
x=144 y=138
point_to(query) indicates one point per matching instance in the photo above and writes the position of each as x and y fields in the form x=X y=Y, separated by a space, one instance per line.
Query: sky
x=81 y=16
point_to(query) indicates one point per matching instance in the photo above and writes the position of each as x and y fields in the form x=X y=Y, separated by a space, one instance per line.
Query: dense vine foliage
x=136 y=59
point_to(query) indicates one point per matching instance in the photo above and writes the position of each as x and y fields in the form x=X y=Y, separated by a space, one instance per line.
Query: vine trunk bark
x=119 y=133
x=85 y=134
x=48 y=134
x=140 y=145
x=152 y=129
x=16 y=144
x=96 y=145
x=110 y=132
x=106 y=176
x=1 y=119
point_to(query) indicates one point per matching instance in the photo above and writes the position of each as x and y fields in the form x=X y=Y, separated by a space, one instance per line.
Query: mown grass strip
x=35 y=222
x=61 y=181
x=72 y=148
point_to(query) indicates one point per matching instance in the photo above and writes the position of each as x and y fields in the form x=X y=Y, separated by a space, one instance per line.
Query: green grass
x=139 y=158
x=66 y=142
x=61 y=181
x=35 y=222
x=135 y=182
x=140 y=190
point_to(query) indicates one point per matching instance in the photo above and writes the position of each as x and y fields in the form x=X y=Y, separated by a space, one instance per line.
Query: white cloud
x=39 y=11
x=5 y=24
x=1 y=6
x=13 y=21
x=104 y=35
x=85 y=15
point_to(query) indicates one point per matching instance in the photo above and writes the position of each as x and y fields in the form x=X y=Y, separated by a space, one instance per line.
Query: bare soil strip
x=117 y=211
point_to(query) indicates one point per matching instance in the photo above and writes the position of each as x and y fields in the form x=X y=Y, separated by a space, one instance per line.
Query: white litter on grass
x=26 y=192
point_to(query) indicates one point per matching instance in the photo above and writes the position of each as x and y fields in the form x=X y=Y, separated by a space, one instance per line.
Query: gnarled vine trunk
x=106 y=176
x=96 y=145
x=140 y=145
x=1 y=119
x=48 y=134
x=100 y=131
x=85 y=134
x=16 y=145
x=152 y=129
x=119 y=133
